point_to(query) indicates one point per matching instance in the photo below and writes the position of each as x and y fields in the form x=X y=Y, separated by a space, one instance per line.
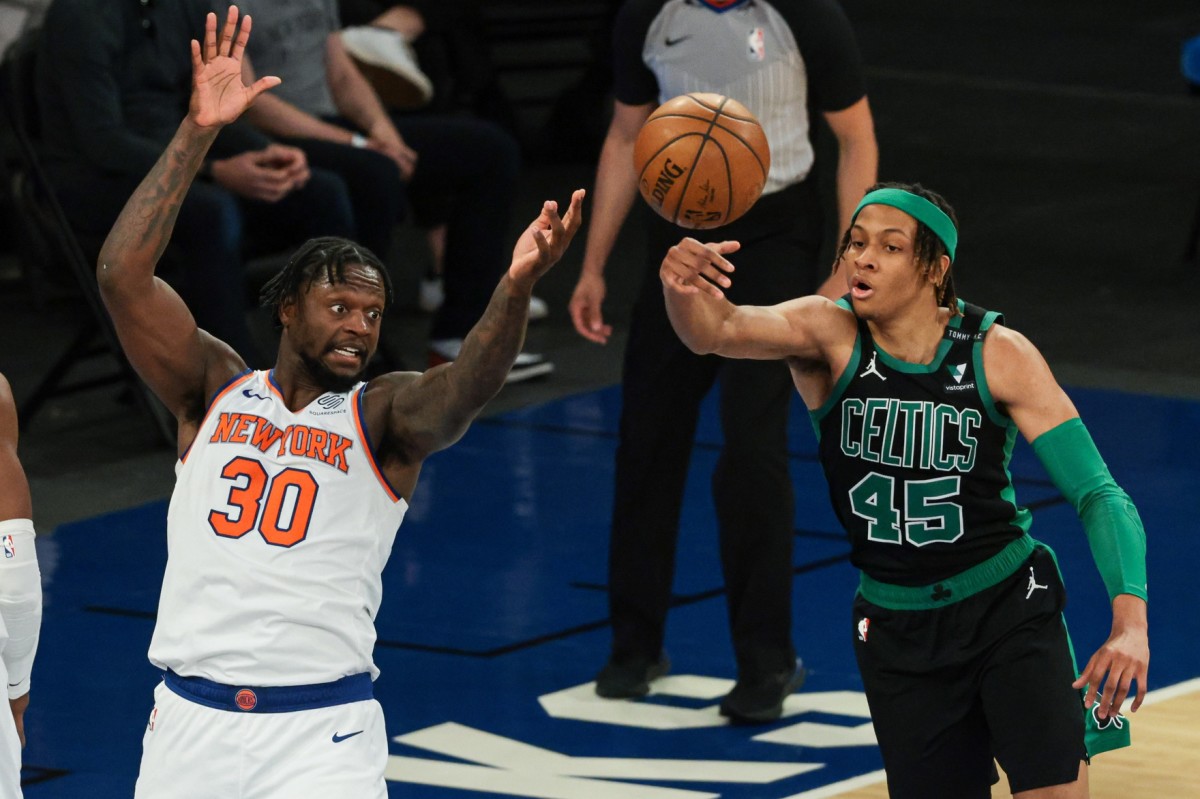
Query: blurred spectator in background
x=113 y=81
x=431 y=56
x=456 y=171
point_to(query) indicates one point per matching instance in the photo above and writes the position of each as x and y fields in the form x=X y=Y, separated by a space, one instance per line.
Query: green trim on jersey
x=816 y=416
x=923 y=368
x=985 y=393
x=1022 y=517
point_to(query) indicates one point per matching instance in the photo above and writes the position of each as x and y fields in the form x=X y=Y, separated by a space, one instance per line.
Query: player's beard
x=328 y=379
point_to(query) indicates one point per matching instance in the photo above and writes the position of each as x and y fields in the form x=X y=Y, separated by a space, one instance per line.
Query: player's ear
x=938 y=274
x=287 y=311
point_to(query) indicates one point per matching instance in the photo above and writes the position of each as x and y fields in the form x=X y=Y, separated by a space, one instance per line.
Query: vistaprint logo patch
x=957 y=372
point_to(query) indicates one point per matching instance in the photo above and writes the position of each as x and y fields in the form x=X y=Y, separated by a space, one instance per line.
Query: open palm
x=219 y=95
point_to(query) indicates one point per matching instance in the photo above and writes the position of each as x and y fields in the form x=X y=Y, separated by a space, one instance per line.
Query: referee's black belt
x=271 y=699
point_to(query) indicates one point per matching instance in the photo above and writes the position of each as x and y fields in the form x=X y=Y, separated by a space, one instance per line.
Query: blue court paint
x=494 y=602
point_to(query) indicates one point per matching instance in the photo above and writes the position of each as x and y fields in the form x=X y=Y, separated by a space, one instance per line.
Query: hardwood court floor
x=1166 y=737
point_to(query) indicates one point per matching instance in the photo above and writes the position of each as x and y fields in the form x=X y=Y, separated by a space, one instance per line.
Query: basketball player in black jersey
x=918 y=398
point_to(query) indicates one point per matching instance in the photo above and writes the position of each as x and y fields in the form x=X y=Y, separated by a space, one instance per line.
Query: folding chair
x=57 y=246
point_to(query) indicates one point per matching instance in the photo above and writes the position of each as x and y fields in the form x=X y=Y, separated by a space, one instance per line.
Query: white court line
x=1172 y=691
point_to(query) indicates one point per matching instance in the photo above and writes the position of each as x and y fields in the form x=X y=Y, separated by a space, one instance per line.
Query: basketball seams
x=719 y=109
x=715 y=123
x=687 y=183
x=680 y=170
x=666 y=146
x=728 y=174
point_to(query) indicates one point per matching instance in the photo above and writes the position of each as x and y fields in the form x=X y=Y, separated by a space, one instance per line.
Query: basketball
x=702 y=160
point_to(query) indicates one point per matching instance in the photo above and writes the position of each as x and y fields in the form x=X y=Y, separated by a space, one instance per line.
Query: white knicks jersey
x=277 y=534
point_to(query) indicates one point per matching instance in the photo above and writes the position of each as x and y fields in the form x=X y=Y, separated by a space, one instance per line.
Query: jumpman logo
x=872 y=369
x=1033 y=584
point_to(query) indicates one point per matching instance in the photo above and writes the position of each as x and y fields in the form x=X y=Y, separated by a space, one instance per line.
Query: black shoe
x=761 y=701
x=630 y=679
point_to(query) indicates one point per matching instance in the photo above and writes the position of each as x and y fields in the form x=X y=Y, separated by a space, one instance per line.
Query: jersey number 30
x=926 y=521
x=280 y=507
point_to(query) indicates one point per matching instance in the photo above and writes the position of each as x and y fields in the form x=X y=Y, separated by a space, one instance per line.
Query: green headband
x=919 y=209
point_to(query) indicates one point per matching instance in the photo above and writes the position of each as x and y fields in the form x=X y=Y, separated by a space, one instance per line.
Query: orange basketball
x=701 y=160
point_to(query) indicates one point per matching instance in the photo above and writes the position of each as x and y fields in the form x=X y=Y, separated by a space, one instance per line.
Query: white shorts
x=10 y=743
x=191 y=751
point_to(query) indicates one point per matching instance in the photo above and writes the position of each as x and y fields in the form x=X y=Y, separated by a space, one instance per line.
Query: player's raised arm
x=1021 y=381
x=433 y=412
x=176 y=359
x=694 y=277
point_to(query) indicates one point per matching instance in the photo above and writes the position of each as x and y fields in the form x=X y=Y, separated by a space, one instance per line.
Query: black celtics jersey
x=916 y=456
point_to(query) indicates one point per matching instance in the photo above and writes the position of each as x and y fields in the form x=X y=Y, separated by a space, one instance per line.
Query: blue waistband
x=271 y=699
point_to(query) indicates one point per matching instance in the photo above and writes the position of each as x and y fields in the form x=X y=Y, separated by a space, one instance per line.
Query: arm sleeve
x=1110 y=521
x=20 y=603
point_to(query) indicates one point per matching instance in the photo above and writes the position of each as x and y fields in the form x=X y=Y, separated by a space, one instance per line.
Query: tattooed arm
x=180 y=363
x=432 y=411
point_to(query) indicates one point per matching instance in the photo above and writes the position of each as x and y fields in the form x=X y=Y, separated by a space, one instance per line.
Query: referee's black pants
x=662 y=389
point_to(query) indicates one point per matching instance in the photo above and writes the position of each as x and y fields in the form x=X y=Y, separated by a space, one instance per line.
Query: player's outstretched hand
x=219 y=95
x=1122 y=660
x=545 y=241
x=691 y=267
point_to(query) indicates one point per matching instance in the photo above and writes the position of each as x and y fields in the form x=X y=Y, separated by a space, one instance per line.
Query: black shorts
x=987 y=677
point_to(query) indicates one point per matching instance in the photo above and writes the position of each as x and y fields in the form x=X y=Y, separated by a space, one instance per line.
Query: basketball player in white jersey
x=20 y=596
x=290 y=482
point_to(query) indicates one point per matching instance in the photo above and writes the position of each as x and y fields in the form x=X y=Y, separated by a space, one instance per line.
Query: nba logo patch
x=863 y=624
x=758 y=45
x=10 y=549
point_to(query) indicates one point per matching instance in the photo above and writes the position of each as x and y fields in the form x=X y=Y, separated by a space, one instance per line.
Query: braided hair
x=928 y=248
x=320 y=258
